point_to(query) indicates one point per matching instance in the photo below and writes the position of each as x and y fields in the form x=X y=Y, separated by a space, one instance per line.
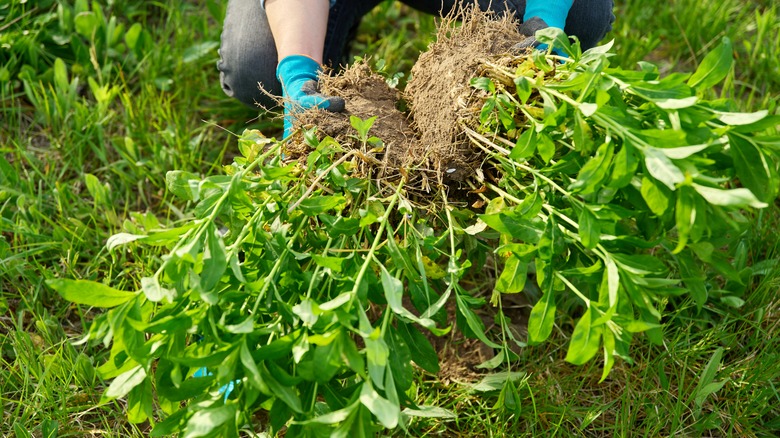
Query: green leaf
x=589 y=228
x=204 y=421
x=662 y=168
x=754 y=168
x=685 y=215
x=214 y=259
x=90 y=293
x=362 y=126
x=513 y=276
x=483 y=83
x=714 y=67
x=585 y=340
x=21 y=431
x=120 y=239
x=251 y=371
x=386 y=412
x=86 y=23
x=154 y=291
x=494 y=382
x=525 y=145
x=609 y=353
x=140 y=403
x=473 y=321
x=49 y=428
x=540 y=322
x=545 y=147
x=674 y=104
x=321 y=204
x=184 y=185
x=170 y=425
x=161 y=324
x=125 y=382
x=132 y=35
x=523 y=88
x=582 y=135
x=96 y=190
x=693 y=277
x=588 y=109
x=612 y=281
x=343 y=226
x=683 y=152
x=641 y=326
x=518 y=228
x=333 y=417
x=422 y=351
x=624 y=167
x=656 y=195
x=706 y=386
x=595 y=171
x=285 y=393
x=740 y=197
x=335 y=264
x=764 y=124
x=554 y=37
x=424 y=411
x=736 y=119
x=244 y=327
x=394 y=290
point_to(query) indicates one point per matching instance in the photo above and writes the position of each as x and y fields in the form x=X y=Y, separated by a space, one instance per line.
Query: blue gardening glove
x=298 y=75
x=540 y=14
x=225 y=389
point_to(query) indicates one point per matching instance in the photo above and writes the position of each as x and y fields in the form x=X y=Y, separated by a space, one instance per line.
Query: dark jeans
x=248 y=54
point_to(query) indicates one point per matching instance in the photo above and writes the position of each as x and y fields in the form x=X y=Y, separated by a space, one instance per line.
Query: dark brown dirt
x=366 y=95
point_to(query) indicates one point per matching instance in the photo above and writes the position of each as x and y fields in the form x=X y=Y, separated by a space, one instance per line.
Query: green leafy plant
x=620 y=188
x=615 y=194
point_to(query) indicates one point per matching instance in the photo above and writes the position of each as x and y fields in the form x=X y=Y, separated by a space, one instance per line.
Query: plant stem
x=375 y=243
x=319 y=178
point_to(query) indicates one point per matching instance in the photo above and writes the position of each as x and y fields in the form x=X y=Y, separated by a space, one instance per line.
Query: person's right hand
x=541 y=14
x=528 y=29
x=298 y=75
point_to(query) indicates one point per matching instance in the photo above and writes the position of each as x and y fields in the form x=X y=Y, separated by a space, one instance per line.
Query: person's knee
x=247 y=55
x=244 y=81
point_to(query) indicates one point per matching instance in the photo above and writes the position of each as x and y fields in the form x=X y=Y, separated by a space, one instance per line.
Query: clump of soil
x=428 y=147
x=366 y=95
x=439 y=93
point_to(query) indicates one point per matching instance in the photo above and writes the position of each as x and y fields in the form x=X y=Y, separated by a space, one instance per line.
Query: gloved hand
x=298 y=75
x=540 y=14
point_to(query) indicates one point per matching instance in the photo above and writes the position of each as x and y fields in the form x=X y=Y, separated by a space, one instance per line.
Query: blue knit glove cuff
x=298 y=75
x=553 y=12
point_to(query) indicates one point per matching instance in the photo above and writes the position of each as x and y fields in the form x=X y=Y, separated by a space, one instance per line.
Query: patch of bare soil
x=460 y=356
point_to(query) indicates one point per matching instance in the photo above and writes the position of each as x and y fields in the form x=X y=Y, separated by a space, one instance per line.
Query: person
x=281 y=45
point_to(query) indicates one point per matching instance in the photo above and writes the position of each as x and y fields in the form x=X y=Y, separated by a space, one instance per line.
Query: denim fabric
x=248 y=54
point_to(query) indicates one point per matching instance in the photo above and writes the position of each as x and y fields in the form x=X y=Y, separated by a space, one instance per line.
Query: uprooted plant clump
x=308 y=279
x=427 y=146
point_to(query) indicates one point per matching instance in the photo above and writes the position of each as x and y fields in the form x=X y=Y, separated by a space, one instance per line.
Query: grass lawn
x=98 y=101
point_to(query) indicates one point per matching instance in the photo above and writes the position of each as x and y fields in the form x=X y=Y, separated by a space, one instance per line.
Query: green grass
x=80 y=161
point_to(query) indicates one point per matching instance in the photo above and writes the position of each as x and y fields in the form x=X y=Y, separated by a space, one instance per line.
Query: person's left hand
x=298 y=75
